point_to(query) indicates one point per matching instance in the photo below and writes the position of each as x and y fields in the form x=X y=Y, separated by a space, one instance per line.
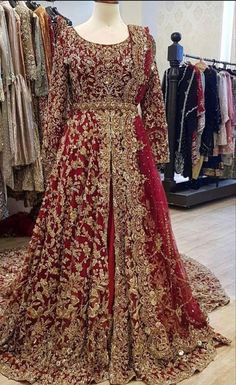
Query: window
x=227 y=30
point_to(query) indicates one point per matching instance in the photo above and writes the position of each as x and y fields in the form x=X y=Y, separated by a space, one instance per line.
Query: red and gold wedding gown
x=102 y=292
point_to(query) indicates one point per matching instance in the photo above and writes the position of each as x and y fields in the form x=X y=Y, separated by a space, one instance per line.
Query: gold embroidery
x=57 y=328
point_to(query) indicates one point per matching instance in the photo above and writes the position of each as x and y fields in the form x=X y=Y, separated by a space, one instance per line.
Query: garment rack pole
x=175 y=57
x=209 y=60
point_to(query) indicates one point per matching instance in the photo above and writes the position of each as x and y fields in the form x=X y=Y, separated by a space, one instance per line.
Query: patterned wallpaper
x=199 y=22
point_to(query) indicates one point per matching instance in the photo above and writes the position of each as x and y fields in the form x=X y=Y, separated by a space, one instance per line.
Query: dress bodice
x=116 y=77
x=99 y=70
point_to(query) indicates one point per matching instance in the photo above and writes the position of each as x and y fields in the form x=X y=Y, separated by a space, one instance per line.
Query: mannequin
x=105 y=26
x=102 y=293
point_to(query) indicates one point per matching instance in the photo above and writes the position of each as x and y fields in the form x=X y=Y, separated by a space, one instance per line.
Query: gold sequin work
x=101 y=157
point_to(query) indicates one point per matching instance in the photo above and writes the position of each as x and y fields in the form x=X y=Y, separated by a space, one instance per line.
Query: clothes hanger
x=13 y=3
x=224 y=68
x=215 y=67
x=55 y=10
x=202 y=65
x=32 y=5
x=51 y=13
x=185 y=62
x=231 y=71
x=214 y=64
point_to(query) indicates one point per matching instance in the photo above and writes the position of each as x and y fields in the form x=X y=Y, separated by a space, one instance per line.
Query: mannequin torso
x=105 y=26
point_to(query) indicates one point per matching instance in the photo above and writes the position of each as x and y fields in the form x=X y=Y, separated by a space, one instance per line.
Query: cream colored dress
x=22 y=143
x=6 y=121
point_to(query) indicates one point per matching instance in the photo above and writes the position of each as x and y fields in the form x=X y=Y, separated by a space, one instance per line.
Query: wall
x=79 y=11
x=199 y=22
x=233 y=48
x=131 y=12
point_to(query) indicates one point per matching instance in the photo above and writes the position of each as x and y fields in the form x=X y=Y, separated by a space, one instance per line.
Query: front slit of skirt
x=111 y=251
x=111 y=238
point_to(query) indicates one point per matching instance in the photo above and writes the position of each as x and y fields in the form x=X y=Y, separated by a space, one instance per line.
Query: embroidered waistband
x=108 y=104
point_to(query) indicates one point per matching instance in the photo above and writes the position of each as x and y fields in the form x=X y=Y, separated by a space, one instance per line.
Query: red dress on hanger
x=103 y=292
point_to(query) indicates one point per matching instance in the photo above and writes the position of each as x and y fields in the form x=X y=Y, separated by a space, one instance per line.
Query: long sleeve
x=154 y=117
x=27 y=43
x=2 y=96
x=41 y=81
x=57 y=106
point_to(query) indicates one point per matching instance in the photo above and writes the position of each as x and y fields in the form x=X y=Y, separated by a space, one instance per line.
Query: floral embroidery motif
x=27 y=42
x=57 y=329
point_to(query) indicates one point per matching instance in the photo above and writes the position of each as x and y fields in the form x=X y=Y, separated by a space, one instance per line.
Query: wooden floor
x=206 y=233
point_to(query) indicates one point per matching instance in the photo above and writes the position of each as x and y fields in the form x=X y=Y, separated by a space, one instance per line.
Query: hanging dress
x=103 y=293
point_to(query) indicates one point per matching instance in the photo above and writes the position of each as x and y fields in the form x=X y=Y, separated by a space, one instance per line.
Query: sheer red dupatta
x=152 y=132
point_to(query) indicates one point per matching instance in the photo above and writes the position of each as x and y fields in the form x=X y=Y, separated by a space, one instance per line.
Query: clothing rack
x=225 y=63
x=179 y=193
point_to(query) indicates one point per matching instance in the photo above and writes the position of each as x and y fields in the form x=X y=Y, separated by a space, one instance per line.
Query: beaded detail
x=58 y=328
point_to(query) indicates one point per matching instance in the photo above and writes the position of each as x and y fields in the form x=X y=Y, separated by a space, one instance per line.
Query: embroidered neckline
x=102 y=44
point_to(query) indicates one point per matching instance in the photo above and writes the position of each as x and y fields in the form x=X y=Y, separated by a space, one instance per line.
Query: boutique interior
x=194 y=68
